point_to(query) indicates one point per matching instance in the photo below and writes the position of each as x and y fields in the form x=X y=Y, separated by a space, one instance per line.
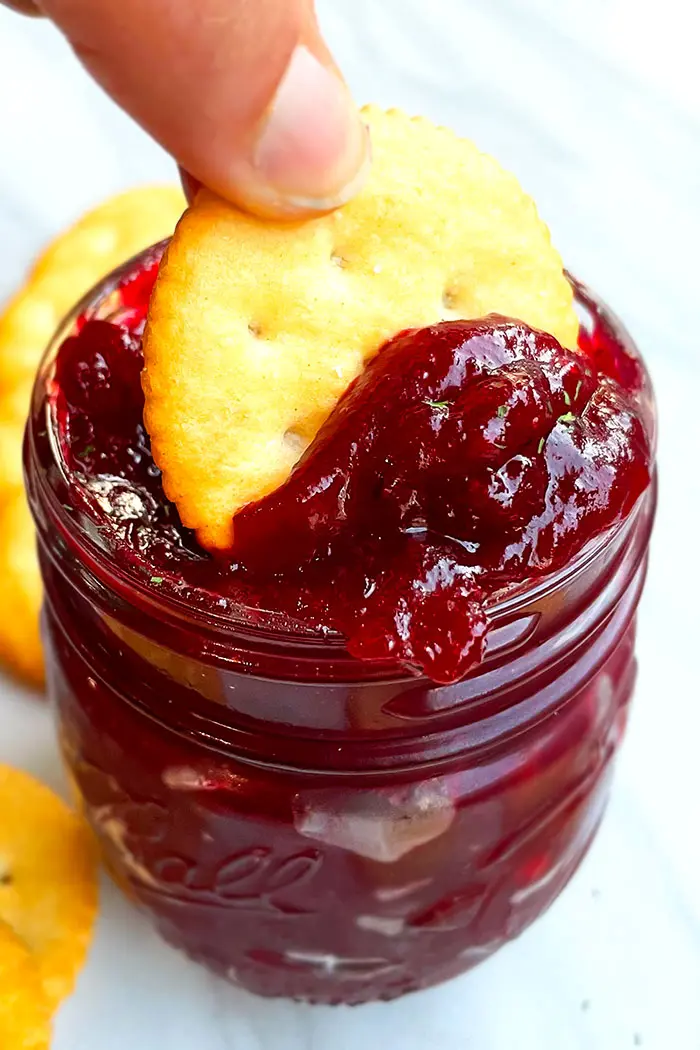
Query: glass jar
x=315 y=827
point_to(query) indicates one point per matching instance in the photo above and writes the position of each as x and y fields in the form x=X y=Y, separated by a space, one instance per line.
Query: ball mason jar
x=309 y=825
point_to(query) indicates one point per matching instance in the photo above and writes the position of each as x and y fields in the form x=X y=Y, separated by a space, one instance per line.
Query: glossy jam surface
x=467 y=458
x=305 y=823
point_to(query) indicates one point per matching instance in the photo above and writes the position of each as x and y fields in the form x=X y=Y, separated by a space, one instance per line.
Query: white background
x=596 y=105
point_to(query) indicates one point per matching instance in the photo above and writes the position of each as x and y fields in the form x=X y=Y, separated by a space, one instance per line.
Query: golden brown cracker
x=48 y=879
x=102 y=240
x=20 y=589
x=25 y=1013
x=256 y=328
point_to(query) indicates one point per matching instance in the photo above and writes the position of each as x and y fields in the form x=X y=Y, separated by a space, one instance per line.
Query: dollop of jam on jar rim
x=468 y=458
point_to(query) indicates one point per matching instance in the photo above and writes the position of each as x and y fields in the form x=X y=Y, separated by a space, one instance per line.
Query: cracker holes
x=255 y=330
x=5 y=877
x=449 y=299
x=339 y=260
x=294 y=441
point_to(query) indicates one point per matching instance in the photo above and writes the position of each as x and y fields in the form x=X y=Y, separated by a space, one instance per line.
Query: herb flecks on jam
x=467 y=458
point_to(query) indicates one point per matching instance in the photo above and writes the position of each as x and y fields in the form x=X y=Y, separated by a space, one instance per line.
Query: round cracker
x=257 y=328
x=100 y=241
x=11 y=432
x=25 y=1013
x=48 y=879
x=20 y=589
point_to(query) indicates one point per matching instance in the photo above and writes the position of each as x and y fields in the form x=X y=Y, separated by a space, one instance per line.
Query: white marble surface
x=596 y=105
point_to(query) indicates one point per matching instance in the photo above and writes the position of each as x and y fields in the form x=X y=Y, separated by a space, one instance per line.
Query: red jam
x=305 y=822
x=468 y=457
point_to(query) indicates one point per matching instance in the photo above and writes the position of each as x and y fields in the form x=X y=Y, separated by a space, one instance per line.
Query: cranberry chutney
x=265 y=766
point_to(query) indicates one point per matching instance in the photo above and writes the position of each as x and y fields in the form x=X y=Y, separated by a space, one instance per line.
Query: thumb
x=243 y=93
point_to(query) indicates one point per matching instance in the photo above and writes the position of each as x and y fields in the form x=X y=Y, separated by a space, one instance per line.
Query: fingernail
x=312 y=153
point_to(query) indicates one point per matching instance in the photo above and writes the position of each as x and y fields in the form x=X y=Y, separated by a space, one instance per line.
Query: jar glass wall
x=309 y=825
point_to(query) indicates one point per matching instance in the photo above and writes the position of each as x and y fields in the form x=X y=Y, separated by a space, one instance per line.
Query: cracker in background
x=20 y=589
x=25 y=1014
x=102 y=240
x=48 y=888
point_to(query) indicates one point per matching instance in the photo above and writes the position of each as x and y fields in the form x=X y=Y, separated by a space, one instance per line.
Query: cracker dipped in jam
x=372 y=422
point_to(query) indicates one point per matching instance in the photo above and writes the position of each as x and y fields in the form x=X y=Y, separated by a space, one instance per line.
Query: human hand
x=243 y=93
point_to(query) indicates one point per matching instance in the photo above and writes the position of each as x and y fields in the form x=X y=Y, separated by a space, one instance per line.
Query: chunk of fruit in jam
x=468 y=457
x=97 y=371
